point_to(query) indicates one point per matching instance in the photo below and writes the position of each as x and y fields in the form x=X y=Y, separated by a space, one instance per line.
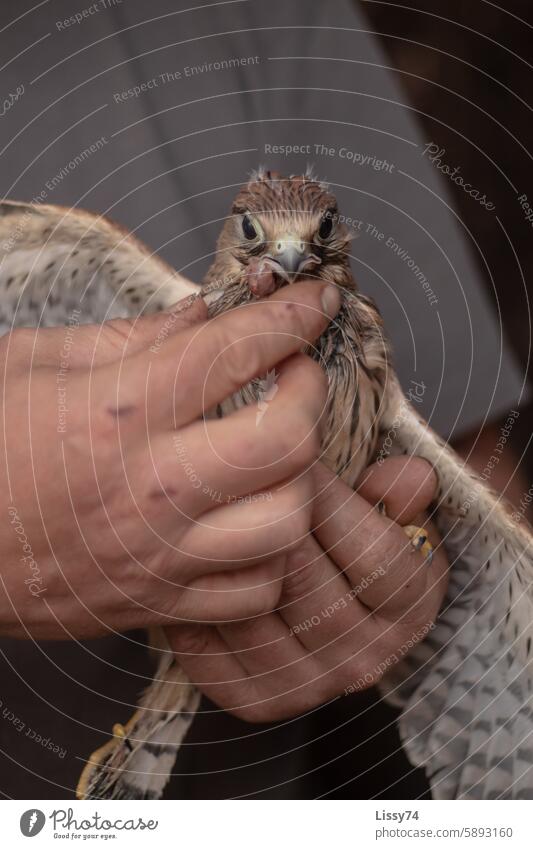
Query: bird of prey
x=466 y=690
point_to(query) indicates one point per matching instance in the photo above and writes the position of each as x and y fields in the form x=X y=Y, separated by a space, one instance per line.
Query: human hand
x=356 y=597
x=121 y=505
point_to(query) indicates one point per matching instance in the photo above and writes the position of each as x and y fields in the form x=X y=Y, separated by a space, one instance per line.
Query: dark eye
x=248 y=228
x=326 y=225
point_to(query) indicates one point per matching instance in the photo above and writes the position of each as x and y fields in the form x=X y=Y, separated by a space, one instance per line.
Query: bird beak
x=290 y=257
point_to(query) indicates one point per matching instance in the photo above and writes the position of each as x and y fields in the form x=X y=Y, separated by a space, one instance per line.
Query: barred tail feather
x=138 y=762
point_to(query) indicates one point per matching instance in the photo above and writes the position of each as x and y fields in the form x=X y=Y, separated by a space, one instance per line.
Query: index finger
x=209 y=362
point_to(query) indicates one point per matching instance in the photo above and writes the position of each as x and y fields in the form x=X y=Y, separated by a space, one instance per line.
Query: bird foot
x=420 y=541
x=419 y=536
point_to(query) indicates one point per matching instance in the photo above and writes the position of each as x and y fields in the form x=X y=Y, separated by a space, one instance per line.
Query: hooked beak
x=290 y=257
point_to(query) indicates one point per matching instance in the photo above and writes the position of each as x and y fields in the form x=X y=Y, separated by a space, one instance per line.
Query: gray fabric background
x=175 y=155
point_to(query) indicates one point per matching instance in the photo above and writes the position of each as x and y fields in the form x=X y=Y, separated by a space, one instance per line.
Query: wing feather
x=55 y=260
x=466 y=692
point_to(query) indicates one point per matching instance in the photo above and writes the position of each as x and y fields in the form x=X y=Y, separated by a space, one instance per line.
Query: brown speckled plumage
x=353 y=350
x=466 y=691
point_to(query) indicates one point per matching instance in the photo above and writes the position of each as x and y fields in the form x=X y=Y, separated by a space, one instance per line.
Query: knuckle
x=289 y=516
x=261 y=600
x=255 y=713
x=235 y=356
x=190 y=639
x=244 y=631
x=301 y=580
x=361 y=673
x=298 y=524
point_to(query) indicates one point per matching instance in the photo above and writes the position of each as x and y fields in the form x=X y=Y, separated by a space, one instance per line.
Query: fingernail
x=331 y=300
x=381 y=508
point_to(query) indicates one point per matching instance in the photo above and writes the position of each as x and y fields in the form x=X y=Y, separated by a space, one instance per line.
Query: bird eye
x=248 y=228
x=326 y=225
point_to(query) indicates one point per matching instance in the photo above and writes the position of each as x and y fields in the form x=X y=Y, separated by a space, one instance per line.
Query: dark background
x=467 y=70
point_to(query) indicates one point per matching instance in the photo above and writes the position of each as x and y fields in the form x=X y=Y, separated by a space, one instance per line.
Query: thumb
x=93 y=345
x=121 y=337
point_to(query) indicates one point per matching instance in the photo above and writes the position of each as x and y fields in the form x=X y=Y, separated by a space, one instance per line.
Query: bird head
x=287 y=228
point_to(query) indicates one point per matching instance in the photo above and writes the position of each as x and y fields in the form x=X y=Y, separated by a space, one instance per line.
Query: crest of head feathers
x=290 y=225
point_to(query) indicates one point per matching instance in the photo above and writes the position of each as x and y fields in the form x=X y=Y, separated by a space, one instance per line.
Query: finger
x=373 y=551
x=250 y=531
x=92 y=345
x=319 y=638
x=287 y=679
x=319 y=604
x=305 y=653
x=233 y=595
x=204 y=365
x=216 y=670
x=121 y=338
x=211 y=666
x=406 y=486
x=217 y=461
x=349 y=642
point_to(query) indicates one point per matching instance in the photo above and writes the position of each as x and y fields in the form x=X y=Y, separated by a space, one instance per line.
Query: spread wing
x=466 y=691
x=55 y=260
x=56 y=263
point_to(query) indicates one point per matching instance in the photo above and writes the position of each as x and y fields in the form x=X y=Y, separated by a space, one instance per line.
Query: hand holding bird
x=466 y=690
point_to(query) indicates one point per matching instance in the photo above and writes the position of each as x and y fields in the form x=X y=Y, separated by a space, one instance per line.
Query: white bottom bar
x=268 y=824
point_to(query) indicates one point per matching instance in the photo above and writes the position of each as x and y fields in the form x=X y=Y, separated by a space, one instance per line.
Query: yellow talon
x=420 y=541
x=119 y=732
